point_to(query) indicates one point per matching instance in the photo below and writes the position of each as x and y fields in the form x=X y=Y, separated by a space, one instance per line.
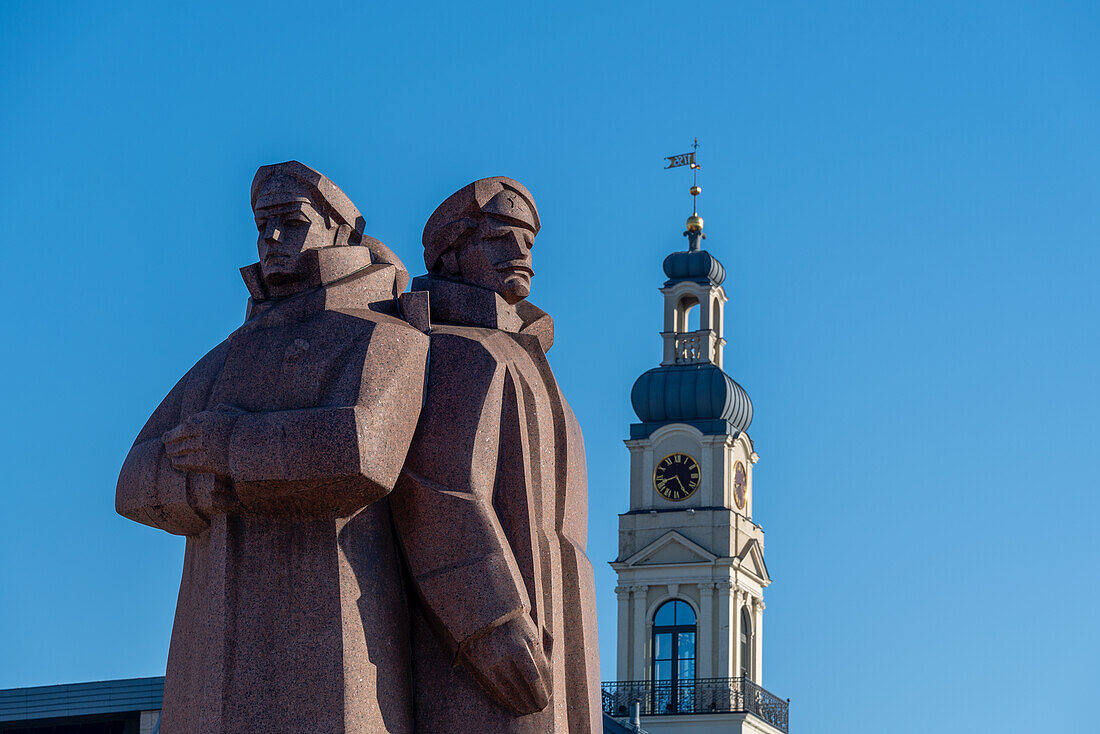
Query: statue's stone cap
x=497 y=196
x=279 y=183
x=282 y=182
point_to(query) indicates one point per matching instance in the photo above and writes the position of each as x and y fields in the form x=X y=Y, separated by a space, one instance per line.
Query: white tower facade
x=691 y=572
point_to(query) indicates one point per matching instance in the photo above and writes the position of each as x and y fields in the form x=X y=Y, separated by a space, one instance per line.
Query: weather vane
x=694 y=222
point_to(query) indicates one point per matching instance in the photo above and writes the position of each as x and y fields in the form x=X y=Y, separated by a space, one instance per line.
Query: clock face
x=676 y=477
x=740 y=485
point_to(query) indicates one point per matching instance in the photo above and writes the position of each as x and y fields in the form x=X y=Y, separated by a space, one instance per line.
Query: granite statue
x=383 y=493
x=274 y=456
x=491 y=504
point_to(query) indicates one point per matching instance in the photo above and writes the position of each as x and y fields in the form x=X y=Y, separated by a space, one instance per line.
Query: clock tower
x=691 y=572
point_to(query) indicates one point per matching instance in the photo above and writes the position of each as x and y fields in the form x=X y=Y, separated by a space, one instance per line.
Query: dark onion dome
x=691 y=393
x=696 y=265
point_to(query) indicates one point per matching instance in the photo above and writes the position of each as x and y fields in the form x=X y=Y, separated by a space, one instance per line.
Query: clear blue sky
x=904 y=196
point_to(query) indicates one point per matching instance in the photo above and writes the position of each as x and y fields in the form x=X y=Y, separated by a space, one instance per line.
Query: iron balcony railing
x=698 y=696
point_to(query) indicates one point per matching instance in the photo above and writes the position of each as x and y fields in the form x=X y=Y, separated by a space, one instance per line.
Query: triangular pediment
x=671 y=549
x=751 y=559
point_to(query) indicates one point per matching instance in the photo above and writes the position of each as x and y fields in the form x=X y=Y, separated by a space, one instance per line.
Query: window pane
x=685 y=615
x=666 y=615
x=745 y=659
x=662 y=646
x=662 y=670
x=686 y=670
x=686 y=648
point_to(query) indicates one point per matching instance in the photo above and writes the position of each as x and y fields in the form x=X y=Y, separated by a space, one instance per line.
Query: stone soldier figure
x=273 y=455
x=491 y=507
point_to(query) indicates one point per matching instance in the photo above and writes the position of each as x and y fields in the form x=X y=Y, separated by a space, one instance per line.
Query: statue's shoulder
x=210 y=364
x=384 y=336
x=369 y=318
x=469 y=340
x=462 y=358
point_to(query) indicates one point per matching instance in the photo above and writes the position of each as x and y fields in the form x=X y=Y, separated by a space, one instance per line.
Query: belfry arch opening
x=687 y=314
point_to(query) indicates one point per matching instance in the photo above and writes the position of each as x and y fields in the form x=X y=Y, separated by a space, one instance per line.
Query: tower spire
x=694 y=231
x=695 y=190
x=691 y=572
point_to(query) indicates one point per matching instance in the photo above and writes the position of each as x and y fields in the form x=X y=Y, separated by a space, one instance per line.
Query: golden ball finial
x=695 y=223
x=696 y=190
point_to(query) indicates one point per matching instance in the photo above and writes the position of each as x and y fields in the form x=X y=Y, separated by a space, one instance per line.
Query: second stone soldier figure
x=491 y=507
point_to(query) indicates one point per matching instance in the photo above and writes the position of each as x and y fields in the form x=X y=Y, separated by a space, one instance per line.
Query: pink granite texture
x=491 y=506
x=384 y=494
x=274 y=456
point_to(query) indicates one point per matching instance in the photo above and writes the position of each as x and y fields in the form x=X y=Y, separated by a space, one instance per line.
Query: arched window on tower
x=673 y=657
x=746 y=643
x=691 y=318
x=687 y=314
x=689 y=345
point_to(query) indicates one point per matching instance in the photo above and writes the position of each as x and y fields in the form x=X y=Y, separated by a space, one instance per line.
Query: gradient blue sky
x=904 y=196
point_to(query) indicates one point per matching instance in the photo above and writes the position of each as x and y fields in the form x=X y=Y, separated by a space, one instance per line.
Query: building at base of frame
x=130 y=706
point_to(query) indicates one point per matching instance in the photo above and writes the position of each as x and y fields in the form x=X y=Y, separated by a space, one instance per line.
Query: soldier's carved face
x=497 y=256
x=287 y=233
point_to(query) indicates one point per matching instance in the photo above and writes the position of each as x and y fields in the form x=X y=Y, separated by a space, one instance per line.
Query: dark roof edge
x=81 y=699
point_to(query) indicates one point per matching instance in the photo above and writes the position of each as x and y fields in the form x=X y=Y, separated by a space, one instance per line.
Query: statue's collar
x=454 y=302
x=347 y=279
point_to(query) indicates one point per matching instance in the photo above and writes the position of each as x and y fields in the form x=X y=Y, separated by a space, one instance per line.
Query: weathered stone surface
x=274 y=455
x=491 y=507
x=322 y=437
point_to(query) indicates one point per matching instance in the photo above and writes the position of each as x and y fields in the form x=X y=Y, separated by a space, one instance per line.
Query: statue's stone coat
x=291 y=613
x=491 y=511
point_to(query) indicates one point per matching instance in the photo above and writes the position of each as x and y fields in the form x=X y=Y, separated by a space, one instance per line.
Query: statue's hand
x=509 y=663
x=201 y=443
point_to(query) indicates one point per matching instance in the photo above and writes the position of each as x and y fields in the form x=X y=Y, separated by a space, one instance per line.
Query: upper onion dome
x=685 y=393
x=697 y=265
